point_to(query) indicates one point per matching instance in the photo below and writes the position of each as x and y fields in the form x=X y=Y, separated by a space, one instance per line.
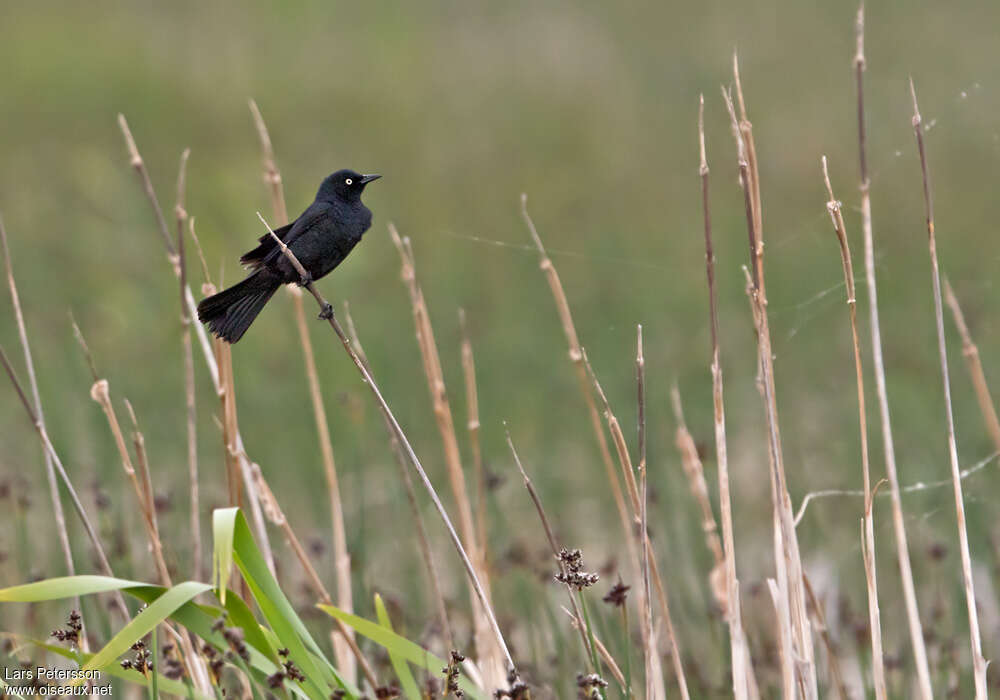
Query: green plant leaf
x=223 y=525
x=401 y=646
x=63 y=587
x=157 y=611
x=399 y=664
x=281 y=615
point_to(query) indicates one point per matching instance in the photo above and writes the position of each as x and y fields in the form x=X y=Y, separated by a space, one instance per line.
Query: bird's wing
x=268 y=249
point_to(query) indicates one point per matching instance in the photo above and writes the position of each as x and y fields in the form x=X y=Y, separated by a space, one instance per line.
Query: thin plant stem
x=888 y=445
x=489 y=658
x=208 y=347
x=550 y=536
x=647 y=609
x=744 y=681
x=181 y=216
x=473 y=427
x=625 y=462
x=867 y=521
x=58 y=513
x=328 y=315
x=341 y=555
x=975 y=366
x=411 y=497
x=978 y=662
x=787 y=546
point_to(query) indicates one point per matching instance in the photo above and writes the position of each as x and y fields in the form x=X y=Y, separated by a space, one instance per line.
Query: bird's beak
x=365 y=179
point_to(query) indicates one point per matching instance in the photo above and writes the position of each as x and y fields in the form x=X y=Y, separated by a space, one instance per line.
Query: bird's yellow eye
x=349 y=181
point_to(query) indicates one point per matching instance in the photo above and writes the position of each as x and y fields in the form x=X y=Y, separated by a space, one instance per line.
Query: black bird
x=320 y=238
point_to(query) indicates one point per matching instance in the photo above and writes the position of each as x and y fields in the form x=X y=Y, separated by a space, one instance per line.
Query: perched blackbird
x=320 y=238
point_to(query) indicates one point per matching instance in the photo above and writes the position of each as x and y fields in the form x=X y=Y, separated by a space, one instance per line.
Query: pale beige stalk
x=328 y=315
x=744 y=680
x=625 y=462
x=490 y=662
x=888 y=446
x=181 y=216
x=978 y=662
x=805 y=666
x=418 y=520
x=341 y=556
x=867 y=520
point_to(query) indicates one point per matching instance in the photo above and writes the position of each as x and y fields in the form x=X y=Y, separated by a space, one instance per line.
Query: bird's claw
x=327 y=313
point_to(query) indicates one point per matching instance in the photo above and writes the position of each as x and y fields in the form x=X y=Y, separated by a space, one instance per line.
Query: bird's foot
x=327 y=313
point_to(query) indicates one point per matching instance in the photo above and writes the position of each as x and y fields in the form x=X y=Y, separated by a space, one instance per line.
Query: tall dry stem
x=411 y=497
x=50 y=471
x=867 y=521
x=888 y=445
x=787 y=546
x=744 y=681
x=327 y=314
x=341 y=556
x=489 y=659
x=576 y=358
x=181 y=216
x=625 y=463
x=978 y=662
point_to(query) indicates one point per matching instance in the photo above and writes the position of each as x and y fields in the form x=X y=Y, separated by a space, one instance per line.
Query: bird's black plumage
x=320 y=238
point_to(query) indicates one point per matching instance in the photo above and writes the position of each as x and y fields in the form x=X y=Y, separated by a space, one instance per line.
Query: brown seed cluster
x=616 y=596
x=517 y=690
x=589 y=686
x=451 y=672
x=71 y=633
x=573 y=574
x=142 y=661
x=288 y=670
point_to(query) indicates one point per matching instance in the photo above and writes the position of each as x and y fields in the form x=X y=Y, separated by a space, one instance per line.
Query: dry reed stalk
x=744 y=681
x=602 y=650
x=625 y=462
x=576 y=358
x=750 y=180
x=207 y=346
x=553 y=543
x=50 y=472
x=274 y=513
x=978 y=662
x=328 y=315
x=341 y=556
x=473 y=426
x=867 y=522
x=180 y=214
x=888 y=446
x=824 y=634
x=975 y=366
x=411 y=497
x=489 y=659
x=648 y=636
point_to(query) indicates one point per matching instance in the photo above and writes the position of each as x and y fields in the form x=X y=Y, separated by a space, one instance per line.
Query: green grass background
x=591 y=109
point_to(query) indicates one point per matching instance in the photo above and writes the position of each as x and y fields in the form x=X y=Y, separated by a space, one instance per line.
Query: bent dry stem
x=327 y=314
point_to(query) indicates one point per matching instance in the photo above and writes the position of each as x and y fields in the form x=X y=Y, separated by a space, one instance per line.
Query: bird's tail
x=229 y=313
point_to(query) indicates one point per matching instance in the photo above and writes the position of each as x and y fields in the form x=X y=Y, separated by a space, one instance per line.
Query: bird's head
x=345 y=185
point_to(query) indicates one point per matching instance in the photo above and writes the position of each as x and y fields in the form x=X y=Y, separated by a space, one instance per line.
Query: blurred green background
x=591 y=109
